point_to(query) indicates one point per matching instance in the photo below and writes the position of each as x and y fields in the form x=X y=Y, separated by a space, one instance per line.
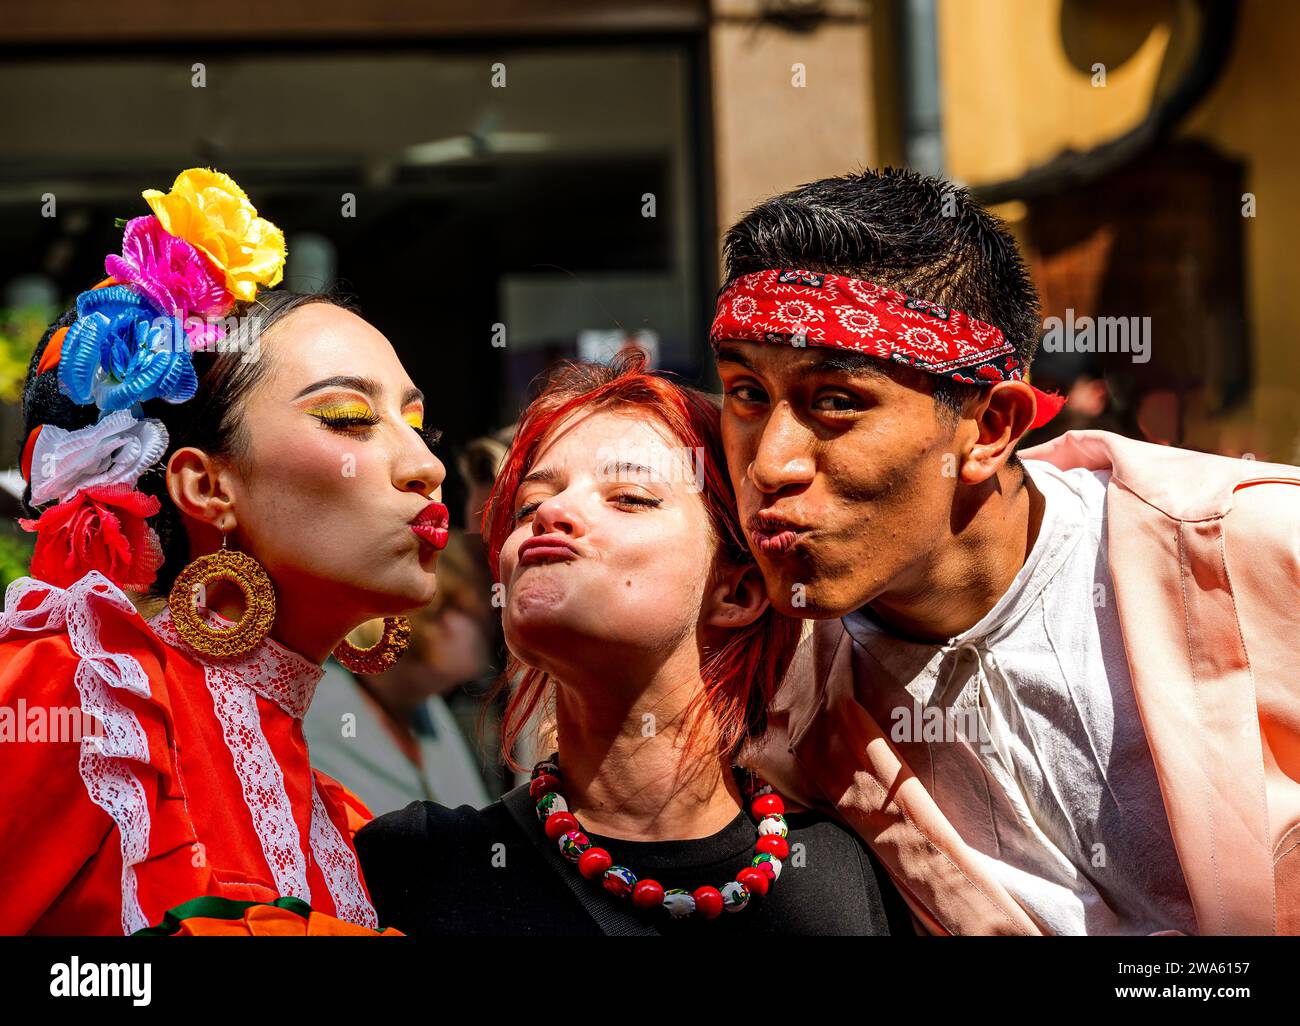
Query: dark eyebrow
x=368 y=386
x=848 y=363
x=835 y=360
x=728 y=355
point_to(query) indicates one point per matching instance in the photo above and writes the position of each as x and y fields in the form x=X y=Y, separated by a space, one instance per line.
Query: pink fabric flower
x=171 y=274
x=100 y=529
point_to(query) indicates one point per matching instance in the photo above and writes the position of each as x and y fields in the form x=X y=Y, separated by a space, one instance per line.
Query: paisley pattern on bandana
x=811 y=308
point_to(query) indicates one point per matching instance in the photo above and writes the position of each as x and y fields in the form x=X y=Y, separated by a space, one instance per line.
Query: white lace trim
x=278 y=674
x=110 y=782
x=233 y=684
x=338 y=864
x=262 y=781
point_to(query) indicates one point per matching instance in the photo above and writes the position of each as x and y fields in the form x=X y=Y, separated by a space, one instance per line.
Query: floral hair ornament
x=181 y=269
x=102 y=529
x=210 y=212
x=116 y=450
x=121 y=351
x=171 y=274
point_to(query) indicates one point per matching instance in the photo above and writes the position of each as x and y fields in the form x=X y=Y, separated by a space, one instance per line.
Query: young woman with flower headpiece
x=222 y=486
x=638 y=625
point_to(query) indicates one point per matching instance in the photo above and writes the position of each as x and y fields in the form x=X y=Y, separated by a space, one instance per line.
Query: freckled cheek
x=887 y=459
x=666 y=560
x=316 y=463
x=897 y=512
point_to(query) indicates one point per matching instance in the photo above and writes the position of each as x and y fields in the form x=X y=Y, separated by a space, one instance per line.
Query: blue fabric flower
x=121 y=351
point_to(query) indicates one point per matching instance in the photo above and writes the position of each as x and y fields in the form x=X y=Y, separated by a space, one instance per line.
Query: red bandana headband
x=809 y=308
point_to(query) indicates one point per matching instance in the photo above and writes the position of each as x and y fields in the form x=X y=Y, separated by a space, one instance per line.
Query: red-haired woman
x=639 y=630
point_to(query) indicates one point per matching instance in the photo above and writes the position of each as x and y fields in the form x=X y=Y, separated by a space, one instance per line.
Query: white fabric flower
x=115 y=450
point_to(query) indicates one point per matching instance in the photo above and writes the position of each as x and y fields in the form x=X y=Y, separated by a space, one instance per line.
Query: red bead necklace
x=772 y=849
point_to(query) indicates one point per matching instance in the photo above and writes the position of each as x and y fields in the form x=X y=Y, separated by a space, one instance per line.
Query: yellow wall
x=1253 y=115
x=1014 y=97
x=1017 y=89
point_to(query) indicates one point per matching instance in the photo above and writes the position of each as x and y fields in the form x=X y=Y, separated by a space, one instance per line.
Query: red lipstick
x=546 y=548
x=430 y=524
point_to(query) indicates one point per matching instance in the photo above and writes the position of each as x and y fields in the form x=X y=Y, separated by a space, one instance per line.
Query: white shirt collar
x=1057 y=536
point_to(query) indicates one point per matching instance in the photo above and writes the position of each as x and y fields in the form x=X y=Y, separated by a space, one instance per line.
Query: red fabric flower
x=100 y=529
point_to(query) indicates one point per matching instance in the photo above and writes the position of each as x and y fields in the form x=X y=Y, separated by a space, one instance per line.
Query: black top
x=434 y=870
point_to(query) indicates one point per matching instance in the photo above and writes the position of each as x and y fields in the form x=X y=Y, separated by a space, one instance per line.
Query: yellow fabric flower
x=210 y=212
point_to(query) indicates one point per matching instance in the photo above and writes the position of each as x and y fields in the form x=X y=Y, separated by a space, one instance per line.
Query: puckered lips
x=547 y=548
x=430 y=525
x=773 y=534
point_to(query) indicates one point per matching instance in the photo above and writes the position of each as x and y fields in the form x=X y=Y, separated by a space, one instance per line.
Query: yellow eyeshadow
x=341 y=410
x=416 y=420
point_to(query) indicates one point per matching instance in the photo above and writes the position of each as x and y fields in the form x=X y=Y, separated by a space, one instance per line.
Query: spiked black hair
x=920 y=235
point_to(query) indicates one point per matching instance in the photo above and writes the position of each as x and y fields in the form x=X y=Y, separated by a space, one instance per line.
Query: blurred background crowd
x=506 y=184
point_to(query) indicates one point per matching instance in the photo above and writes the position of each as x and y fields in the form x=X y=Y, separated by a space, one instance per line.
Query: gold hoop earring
x=382 y=654
x=248 y=575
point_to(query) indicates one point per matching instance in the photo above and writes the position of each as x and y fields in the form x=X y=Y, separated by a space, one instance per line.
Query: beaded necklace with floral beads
x=596 y=864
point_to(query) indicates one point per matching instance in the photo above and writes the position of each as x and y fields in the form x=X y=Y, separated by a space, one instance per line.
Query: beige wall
x=771 y=135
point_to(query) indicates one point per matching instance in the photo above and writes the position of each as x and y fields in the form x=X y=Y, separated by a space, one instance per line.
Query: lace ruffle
x=105 y=760
x=278 y=674
x=288 y=680
x=262 y=781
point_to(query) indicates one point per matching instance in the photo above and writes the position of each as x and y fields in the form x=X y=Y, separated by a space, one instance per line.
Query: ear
x=199 y=486
x=738 y=597
x=1001 y=420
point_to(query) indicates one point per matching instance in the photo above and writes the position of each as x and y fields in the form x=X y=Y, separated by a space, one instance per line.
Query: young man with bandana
x=1056 y=691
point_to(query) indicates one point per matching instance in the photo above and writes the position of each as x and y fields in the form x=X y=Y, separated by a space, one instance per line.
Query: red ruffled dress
x=197 y=785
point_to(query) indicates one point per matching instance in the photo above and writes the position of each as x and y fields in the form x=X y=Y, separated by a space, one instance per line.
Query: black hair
x=211 y=420
x=920 y=235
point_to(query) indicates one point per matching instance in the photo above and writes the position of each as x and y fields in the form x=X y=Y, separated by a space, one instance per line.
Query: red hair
x=741 y=676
